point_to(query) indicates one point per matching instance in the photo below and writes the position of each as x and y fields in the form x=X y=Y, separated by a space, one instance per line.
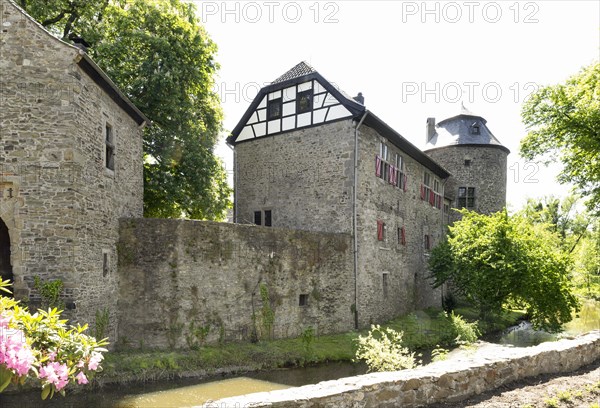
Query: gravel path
x=579 y=389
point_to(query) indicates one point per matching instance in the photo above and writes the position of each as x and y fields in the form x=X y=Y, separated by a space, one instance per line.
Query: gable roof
x=303 y=72
x=94 y=72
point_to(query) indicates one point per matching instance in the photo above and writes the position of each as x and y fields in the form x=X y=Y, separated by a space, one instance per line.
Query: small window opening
x=474 y=129
x=467 y=163
x=257 y=217
x=303 y=300
x=304 y=101
x=267 y=218
x=105 y=264
x=110 y=147
x=385 y=284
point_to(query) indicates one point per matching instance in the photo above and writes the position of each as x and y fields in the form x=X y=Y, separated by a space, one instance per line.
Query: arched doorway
x=5 y=265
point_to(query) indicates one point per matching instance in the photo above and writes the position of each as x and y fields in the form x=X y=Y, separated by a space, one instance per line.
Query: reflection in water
x=523 y=335
x=194 y=395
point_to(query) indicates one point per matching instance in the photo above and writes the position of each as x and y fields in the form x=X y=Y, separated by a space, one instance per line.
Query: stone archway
x=6 y=271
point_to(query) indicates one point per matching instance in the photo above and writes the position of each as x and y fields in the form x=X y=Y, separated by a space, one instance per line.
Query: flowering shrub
x=42 y=347
x=382 y=350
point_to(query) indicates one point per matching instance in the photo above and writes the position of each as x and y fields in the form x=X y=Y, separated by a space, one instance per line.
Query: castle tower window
x=105 y=263
x=303 y=300
x=380 y=230
x=109 y=142
x=304 y=101
x=274 y=109
x=267 y=218
x=427 y=242
x=475 y=129
x=467 y=162
x=258 y=217
x=466 y=197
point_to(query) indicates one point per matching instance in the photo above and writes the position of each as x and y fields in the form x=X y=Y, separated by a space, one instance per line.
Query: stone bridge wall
x=451 y=380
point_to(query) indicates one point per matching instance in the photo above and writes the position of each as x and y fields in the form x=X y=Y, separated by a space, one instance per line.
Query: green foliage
x=497 y=260
x=382 y=350
x=196 y=335
x=101 y=323
x=563 y=121
x=308 y=338
x=463 y=332
x=439 y=354
x=50 y=292
x=266 y=311
x=161 y=57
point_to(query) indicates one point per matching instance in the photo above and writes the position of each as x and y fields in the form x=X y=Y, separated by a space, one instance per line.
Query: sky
x=411 y=60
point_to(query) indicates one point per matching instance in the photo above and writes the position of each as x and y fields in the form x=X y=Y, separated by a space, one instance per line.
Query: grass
x=426 y=329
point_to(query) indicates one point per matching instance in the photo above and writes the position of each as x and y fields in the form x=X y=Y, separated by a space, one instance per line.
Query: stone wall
x=450 y=380
x=487 y=173
x=59 y=202
x=404 y=264
x=176 y=276
x=304 y=177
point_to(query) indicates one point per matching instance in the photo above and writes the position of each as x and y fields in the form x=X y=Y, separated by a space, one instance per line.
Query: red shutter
x=380 y=227
x=403 y=236
x=405 y=182
x=431 y=197
x=422 y=192
x=391 y=175
x=377 y=165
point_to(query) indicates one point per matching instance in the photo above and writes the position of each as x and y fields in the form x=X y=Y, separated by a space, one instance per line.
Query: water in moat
x=190 y=392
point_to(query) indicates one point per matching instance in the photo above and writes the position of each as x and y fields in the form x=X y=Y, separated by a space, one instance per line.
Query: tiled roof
x=299 y=70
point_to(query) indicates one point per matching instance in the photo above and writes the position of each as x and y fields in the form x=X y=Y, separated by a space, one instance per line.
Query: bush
x=382 y=350
x=463 y=332
x=42 y=347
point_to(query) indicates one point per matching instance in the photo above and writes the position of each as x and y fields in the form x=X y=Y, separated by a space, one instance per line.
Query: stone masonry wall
x=304 y=177
x=487 y=173
x=59 y=202
x=444 y=381
x=406 y=265
x=176 y=276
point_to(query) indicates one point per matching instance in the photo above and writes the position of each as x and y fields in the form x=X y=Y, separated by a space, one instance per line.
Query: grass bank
x=423 y=330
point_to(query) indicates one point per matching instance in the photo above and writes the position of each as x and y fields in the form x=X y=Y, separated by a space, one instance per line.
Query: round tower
x=475 y=158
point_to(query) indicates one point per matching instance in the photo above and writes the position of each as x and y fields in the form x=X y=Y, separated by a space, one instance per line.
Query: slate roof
x=456 y=130
x=301 y=69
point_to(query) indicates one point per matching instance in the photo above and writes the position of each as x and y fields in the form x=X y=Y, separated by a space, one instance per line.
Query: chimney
x=430 y=129
x=360 y=98
x=79 y=42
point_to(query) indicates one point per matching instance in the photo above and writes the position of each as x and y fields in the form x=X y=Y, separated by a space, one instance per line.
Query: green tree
x=563 y=123
x=158 y=53
x=499 y=260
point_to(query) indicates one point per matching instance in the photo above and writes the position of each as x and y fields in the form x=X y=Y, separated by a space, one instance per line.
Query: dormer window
x=475 y=129
x=304 y=101
x=274 y=109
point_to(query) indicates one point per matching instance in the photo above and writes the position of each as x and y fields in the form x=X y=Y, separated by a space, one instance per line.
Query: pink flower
x=15 y=353
x=81 y=378
x=55 y=373
x=95 y=360
x=52 y=355
x=81 y=364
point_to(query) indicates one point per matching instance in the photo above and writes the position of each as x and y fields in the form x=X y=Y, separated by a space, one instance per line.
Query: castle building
x=465 y=146
x=70 y=167
x=308 y=156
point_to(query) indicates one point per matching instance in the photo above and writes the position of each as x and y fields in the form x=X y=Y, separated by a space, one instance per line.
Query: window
x=264 y=218
x=274 y=109
x=304 y=101
x=380 y=230
x=105 y=264
x=466 y=197
x=385 y=284
x=426 y=187
x=109 y=159
x=402 y=236
x=467 y=163
x=475 y=129
x=389 y=167
x=427 y=243
x=303 y=300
